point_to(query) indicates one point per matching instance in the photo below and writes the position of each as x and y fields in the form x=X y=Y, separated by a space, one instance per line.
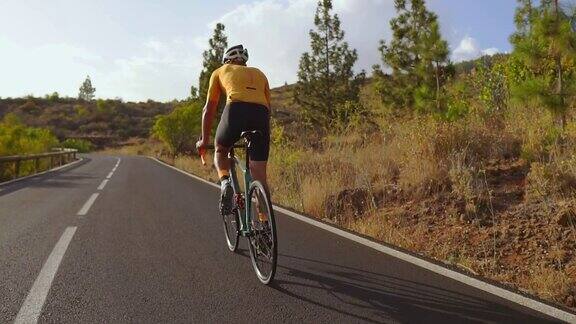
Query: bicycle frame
x=244 y=211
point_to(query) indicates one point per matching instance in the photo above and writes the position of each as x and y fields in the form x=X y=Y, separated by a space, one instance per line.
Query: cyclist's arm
x=209 y=111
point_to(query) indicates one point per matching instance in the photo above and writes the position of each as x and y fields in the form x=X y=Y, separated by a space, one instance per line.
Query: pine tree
x=545 y=43
x=523 y=19
x=328 y=89
x=418 y=57
x=212 y=58
x=193 y=94
x=86 y=90
x=432 y=69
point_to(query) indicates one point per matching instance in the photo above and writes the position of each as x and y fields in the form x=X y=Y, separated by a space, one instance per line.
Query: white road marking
x=455 y=275
x=32 y=306
x=88 y=204
x=103 y=184
x=110 y=175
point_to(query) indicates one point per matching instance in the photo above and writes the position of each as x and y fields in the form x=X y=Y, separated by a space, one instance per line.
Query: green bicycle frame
x=244 y=218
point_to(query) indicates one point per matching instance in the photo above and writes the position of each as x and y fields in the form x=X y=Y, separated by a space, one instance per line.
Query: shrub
x=424 y=149
x=539 y=135
x=29 y=107
x=469 y=186
x=81 y=111
x=54 y=96
x=83 y=146
x=554 y=179
x=179 y=129
x=16 y=138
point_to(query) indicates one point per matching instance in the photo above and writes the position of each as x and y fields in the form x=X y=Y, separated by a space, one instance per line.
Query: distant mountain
x=104 y=122
x=111 y=122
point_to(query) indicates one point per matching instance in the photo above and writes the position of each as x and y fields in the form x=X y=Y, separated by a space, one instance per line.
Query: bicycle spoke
x=267 y=244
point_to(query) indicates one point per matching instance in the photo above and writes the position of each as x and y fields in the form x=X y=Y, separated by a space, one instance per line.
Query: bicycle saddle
x=249 y=135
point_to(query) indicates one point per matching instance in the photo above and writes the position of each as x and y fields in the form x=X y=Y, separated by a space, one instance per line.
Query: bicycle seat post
x=248 y=136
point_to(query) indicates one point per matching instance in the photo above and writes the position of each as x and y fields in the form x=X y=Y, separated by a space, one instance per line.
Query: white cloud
x=276 y=32
x=162 y=70
x=468 y=49
x=44 y=68
x=490 y=51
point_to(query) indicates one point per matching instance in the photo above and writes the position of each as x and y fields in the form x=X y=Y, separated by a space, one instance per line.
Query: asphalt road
x=151 y=249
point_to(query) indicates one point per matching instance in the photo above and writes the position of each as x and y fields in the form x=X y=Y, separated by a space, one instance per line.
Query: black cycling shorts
x=239 y=117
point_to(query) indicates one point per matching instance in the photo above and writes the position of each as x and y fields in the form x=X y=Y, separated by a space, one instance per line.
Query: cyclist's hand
x=201 y=144
x=201 y=147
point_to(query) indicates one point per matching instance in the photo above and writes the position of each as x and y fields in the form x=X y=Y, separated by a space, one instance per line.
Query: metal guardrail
x=56 y=159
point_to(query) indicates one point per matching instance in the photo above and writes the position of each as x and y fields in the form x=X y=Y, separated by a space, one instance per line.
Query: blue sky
x=138 y=50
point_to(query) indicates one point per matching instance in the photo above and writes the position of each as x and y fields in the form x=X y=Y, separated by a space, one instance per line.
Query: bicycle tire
x=231 y=222
x=260 y=243
x=231 y=231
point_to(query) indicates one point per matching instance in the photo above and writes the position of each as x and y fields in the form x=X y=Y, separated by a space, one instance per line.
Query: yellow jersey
x=239 y=83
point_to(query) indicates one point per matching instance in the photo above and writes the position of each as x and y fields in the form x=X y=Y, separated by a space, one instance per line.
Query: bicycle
x=253 y=212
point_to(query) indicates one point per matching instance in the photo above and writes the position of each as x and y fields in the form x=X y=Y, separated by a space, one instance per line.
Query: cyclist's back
x=240 y=84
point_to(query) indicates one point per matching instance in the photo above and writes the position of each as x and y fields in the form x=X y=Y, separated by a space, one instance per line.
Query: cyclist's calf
x=258 y=171
x=221 y=160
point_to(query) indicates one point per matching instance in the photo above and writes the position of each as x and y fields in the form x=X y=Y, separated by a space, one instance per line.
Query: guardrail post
x=36 y=165
x=16 y=169
x=51 y=162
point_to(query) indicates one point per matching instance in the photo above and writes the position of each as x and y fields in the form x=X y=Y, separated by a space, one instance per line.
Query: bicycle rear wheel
x=263 y=242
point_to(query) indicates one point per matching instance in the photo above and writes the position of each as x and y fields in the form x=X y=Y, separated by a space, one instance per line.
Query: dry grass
x=411 y=160
x=140 y=147
x=422 y=184
x=549 y=283
x=378 y=226
x=194 y=165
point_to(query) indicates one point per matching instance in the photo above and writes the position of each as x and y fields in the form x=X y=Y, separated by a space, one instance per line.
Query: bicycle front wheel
x=263 y=241
x=231 y=230
x=231 y=221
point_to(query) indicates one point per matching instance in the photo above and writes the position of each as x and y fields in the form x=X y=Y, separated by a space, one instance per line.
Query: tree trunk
x=557 y=9
x=560 y=83
x=560 y=90
x=437 y=86
x=328 y=81
x=530 y=15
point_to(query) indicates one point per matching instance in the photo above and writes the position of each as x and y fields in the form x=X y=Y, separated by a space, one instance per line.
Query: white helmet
x=236 y=52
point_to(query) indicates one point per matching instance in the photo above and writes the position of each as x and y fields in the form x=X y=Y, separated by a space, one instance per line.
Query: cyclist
x=247 y=108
